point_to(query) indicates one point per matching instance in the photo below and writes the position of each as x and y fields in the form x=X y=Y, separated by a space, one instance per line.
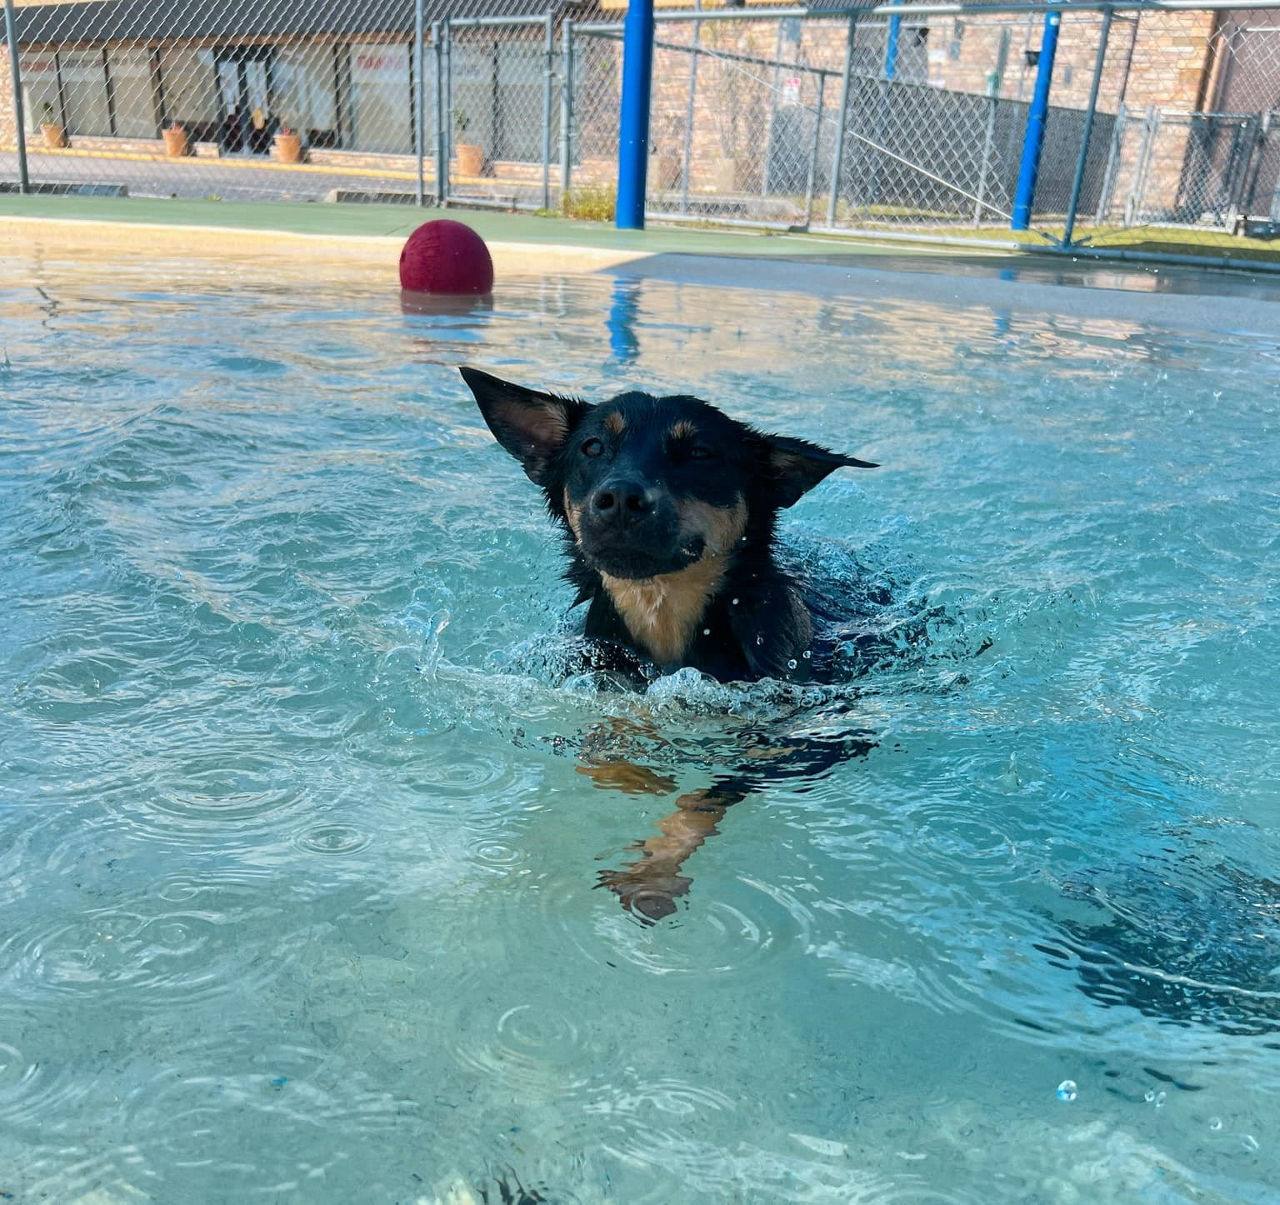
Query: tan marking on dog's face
x=614 y=423
x=573 y=514
x=720 y=527
x=662 y=613
x=683 y=429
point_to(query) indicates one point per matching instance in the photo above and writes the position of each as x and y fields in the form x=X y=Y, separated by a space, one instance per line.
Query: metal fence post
x=773 y=112
x=566 y=108
x=1273 y=209
x=442 y=144
x=1240 y=201
x=547 y=84
x=1113 y=156
x=841 y=118
x=419 y=101
x=813 y=152
x=1074 y=204
x=1238 y=179
x=686 y=158
x=443 y=171
x=19 y=117
x=1138 y=188
x=1274 y=200
x=994 y=83
x=1033 y=140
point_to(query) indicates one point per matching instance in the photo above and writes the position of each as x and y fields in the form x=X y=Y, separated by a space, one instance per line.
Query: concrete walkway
x=399 y=220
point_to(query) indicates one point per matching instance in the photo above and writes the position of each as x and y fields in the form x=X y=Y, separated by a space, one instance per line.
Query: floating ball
x=446 y=257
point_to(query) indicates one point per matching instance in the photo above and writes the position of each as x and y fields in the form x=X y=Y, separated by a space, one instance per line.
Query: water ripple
x=737 y=933
x=177 y=943
x=333 y=839
x=295 y=842
x=32 y=1091
x=534 y=1049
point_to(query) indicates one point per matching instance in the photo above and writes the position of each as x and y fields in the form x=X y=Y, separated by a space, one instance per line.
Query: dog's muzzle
x=630 y=530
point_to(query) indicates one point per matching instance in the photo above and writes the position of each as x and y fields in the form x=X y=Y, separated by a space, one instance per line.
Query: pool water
x=302 y=812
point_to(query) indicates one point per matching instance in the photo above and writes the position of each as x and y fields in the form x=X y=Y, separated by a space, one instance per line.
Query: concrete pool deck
x=368 y=238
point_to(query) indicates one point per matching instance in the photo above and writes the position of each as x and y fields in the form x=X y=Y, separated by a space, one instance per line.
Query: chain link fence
x=1159 y=133
x=284 y=99
x=1162 y=128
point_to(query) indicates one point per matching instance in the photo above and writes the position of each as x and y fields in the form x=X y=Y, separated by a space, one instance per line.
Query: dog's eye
x=700 y=452
x=592 y=447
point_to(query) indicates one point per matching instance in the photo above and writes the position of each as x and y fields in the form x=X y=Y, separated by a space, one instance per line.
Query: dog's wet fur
x=669 y=508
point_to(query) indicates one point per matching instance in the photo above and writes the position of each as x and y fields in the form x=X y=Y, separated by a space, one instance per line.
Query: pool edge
x=215 y=241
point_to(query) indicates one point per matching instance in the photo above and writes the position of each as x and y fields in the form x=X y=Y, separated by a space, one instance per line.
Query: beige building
x=339 y=72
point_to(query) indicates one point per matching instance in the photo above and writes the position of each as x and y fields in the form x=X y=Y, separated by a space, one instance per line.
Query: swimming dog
x=669 y=508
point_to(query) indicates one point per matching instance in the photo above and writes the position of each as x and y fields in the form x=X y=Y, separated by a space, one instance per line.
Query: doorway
x=245 y=98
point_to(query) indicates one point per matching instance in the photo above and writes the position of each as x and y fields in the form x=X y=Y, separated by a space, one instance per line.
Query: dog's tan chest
x=662 y=613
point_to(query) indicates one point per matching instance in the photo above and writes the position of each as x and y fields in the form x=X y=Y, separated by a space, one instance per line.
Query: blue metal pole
x=633 y=123
x=891 y=48
x=1033 y=140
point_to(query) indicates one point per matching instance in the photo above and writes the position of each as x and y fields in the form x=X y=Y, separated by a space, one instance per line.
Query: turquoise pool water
x=298 y=851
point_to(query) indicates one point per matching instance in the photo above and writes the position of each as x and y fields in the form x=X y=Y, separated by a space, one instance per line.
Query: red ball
x=446 y=257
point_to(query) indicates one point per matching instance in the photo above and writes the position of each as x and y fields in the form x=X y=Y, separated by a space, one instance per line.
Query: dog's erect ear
x=795 y=466
x=532 y=426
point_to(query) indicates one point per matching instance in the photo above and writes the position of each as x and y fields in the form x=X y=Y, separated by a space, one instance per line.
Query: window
x=306 y=100
x=190 y=91
x=381 y=101
x=132 y=95
x=40 y=89
x=84 y=91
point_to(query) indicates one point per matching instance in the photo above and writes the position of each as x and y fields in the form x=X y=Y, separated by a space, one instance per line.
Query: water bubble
x=1067 y=1090
x=808 y=653
x=706 y=631
x=759 y=640
x=1249 y=1142
x=1160 y=1098
x=734 y=602
x=1149 y=1095
x=792 y=663
x=1215 y=1123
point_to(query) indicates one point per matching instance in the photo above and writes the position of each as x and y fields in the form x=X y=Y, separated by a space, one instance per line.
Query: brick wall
x=1153 y=59
x=1160 y=59
x=8 y=135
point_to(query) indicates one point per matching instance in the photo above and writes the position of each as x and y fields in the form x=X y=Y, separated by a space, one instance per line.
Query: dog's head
x=649 y=486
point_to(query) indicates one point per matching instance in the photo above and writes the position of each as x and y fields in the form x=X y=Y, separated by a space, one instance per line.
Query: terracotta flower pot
x=470 y=158
x=289 y=147
x=55 y=136
x=175 y=142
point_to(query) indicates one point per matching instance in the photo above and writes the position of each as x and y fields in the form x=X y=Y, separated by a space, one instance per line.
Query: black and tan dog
x=669 y=508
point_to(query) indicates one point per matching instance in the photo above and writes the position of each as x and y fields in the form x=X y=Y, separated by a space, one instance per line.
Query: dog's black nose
x=621 y=501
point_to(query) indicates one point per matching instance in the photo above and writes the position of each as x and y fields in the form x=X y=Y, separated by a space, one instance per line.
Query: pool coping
x=367 y=239
x=515 y=258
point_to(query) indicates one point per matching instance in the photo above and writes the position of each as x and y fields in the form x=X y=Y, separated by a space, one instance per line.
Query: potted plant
x=470 y=155
x=54 y=134
x=288 y=145
x=175 y=141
